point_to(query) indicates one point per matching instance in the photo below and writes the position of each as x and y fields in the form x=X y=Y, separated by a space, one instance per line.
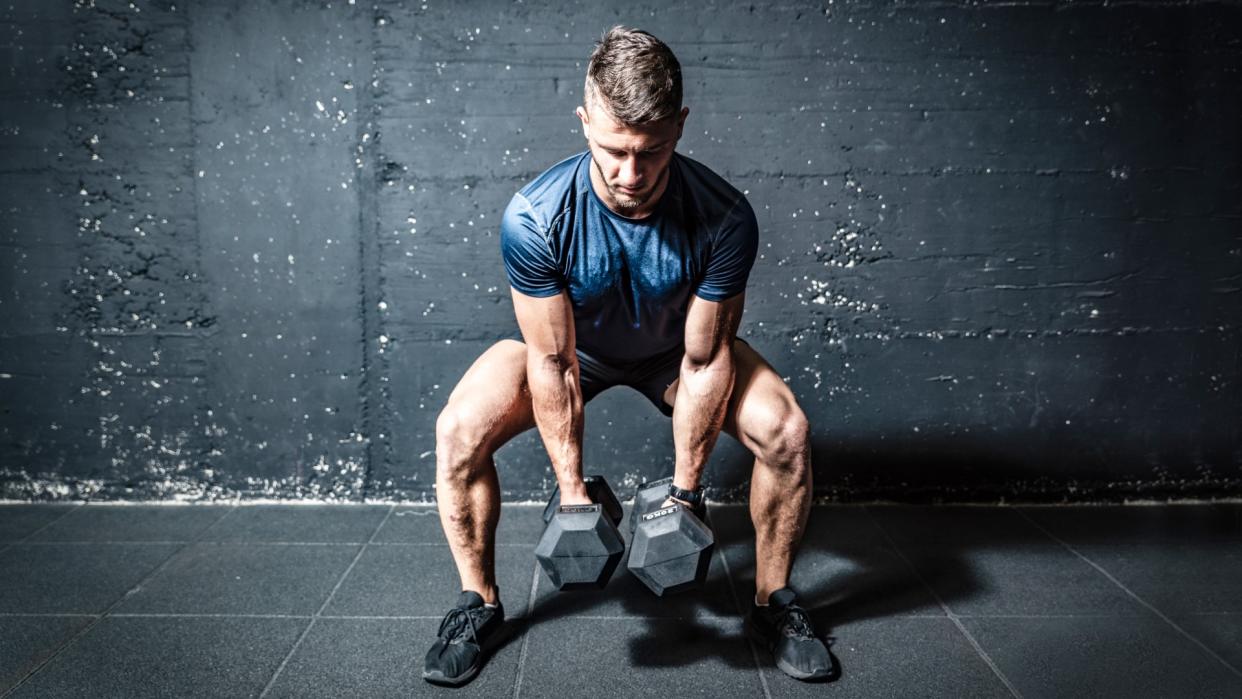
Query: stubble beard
x=626 y=203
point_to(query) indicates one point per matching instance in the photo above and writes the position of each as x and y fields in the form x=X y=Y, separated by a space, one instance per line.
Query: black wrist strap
x=694 y=497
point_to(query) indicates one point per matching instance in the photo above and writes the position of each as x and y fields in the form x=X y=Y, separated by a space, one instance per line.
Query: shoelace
x=795 y=622
x=455 y=624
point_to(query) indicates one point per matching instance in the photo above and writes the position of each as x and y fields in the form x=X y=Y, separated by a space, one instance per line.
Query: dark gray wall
x=249 y=248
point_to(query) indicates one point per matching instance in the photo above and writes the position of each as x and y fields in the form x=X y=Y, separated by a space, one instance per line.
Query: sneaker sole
x=784 y=667
x=439 y=679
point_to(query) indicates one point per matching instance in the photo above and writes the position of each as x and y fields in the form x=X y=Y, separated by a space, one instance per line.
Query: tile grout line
x=957 y=621
x=84 y=542
x=24 y=539
x=341 y=580
x=530 y=613
x=737 y=602
x=1176 y=627
x=106 y=612
x=199 y=537
x=47 y=614
x=754 y=652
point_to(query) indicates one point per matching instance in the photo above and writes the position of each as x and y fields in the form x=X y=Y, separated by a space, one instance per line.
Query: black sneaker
x=784 y=629
x=459 y=652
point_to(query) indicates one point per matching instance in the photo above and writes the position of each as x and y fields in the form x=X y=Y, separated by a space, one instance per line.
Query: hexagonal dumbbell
x=671 y=547
x=581 y=546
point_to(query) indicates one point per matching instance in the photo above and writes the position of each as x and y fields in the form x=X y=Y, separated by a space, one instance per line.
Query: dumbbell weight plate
x=671 y=550
x=580 y=547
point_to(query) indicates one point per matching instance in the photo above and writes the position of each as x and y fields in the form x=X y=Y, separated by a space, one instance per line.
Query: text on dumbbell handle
x=660 y=513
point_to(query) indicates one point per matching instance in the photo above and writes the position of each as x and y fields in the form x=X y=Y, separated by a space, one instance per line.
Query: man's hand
x=574 y=493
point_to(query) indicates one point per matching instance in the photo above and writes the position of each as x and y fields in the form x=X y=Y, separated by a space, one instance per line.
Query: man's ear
x=681 y=121
x=586 y=122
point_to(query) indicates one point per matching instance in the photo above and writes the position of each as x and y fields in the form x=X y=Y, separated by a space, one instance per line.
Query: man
x=628 y=265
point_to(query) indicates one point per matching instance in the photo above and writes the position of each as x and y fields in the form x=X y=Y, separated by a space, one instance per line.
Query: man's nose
x=630 y=174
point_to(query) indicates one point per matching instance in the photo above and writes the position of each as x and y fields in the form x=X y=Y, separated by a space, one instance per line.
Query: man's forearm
x=698 y=414
x=556 y=397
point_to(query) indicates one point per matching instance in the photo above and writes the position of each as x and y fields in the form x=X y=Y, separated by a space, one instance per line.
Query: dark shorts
x=650 y=376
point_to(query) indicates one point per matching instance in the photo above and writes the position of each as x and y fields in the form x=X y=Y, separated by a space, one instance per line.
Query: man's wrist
x=691 y=497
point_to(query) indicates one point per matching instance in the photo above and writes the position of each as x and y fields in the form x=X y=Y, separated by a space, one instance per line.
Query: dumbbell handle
x=600 y=493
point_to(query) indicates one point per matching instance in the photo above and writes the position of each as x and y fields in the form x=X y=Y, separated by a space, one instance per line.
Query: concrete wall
x=249 y=248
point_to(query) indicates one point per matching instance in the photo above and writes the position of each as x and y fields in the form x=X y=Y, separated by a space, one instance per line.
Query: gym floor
x=343 y=600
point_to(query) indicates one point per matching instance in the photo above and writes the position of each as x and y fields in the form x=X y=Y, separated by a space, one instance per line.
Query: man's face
x=631 y=161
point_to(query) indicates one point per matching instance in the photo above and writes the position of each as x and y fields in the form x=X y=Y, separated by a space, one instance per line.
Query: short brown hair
x=635 y=77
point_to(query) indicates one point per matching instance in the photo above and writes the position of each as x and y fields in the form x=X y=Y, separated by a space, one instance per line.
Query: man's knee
x=460 y=445
x=786 y=442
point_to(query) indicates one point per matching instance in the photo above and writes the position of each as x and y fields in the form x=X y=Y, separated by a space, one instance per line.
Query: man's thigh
x=760 y=397
x=491 y=403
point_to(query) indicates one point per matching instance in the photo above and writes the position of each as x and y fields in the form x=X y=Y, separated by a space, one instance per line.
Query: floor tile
x=897 y=657
x=166 y=657
x=845 y=568
x=74 y=578
x=26 y=641
x=1177 y=578
x=632 y=657
x=519 y=525
x=422 y=581
x=133 y=523
x=1101 y=657
x=243 y=579
x=1140 y=523
x=384 y=658
x=18 y=521
x=1028 y=580
x=300 y=523
x=1222 y=633
x=956 y=526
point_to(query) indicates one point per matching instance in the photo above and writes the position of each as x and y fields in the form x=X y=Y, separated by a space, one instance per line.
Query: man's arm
x=556 y=395
x=705 y=384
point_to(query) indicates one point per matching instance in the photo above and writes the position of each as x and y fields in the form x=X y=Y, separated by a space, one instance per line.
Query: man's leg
x=489 y=406
x=766 y=419
x=764 y=416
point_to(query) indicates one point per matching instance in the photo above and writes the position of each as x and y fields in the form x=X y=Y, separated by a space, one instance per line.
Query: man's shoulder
x=554 y=189
x=710 y=197
x=709 y=190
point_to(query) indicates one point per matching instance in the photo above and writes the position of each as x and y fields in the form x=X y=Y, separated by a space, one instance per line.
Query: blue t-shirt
x=629 y=280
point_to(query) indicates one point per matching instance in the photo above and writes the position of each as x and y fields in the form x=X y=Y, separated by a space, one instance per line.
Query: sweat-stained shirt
x=629 y=280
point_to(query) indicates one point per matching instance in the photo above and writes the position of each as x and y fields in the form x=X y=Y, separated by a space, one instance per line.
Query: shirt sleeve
x=732 y=255
x=528 y=260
